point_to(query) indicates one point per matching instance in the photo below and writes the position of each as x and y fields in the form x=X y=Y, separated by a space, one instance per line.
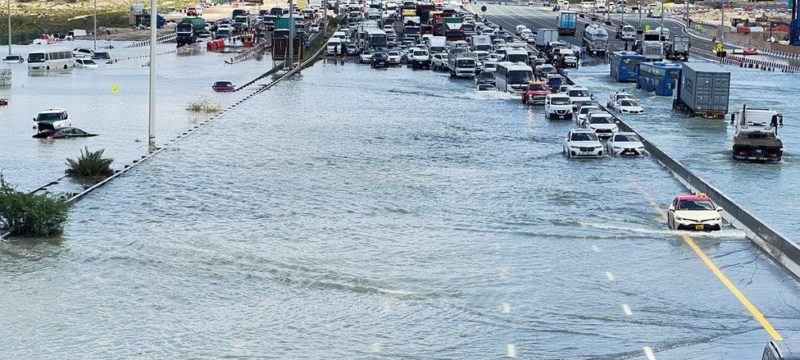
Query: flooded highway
x=358 y=213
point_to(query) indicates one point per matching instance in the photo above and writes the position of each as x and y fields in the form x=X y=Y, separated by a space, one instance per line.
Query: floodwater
x=704 y=145
x=355 y=213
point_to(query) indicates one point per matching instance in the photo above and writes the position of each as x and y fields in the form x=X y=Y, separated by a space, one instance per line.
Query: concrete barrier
x=775 y=244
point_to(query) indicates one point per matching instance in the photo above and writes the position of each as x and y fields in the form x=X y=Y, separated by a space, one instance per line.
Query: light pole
x=9 y=27
x=640 y=15
x=151 y=128
x=661 y=31
x=722 y=22
x=291 y=34
x=95 y=25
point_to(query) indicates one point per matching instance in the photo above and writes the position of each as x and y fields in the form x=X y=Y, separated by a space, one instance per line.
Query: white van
x=334 y=46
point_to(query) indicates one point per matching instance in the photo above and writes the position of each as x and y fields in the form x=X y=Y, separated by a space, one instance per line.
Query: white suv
x=582 y=143
x=558 y=106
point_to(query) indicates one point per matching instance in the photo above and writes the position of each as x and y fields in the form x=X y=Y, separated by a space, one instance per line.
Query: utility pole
x=324 y=17
x=661 y=31
x=722 y=23
x=151 y=128
x=291 y=34
x=9 y=27
x=95 y=25
x=640 y=15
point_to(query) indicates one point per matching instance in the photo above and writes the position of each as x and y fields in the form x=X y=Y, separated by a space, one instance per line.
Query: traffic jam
x=529 y=63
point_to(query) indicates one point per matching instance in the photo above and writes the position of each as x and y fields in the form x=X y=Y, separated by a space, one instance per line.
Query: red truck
x=536 y=93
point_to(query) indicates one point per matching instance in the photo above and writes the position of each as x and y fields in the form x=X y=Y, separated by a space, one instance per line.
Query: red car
x=223 y=86
x=536 y=93
x=191 y=12
x=750 y=51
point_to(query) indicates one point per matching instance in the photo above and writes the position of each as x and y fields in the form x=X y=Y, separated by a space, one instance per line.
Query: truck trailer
x=703 y=90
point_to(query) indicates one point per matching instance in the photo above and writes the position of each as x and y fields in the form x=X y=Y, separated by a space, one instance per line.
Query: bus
x=658 y=77
x=373 y=39
x=624 y=65
x=51 y=59
x=512 y=77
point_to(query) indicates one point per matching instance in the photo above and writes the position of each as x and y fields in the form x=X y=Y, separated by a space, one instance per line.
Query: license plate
x=699 y=227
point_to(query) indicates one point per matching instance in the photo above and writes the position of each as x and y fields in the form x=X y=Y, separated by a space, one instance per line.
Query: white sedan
x=582 y=143
x=584 y=111
x=694 y=212
x=602 y=123
x=625 y=144
x=627 y=106
x=393 y=57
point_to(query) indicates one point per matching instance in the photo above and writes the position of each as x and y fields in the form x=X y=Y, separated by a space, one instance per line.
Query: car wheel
x=670 y=222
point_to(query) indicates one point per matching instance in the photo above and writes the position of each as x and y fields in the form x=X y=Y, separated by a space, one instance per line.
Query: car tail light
x=742 y=152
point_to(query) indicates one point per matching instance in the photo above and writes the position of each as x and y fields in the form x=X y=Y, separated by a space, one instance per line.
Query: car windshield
x=560 y=101
x=629 y=103
x=537 y=87
x=222 y=83
x=420 y=53
x=35 y=58
x=465 y=63
x=578 y=93
x=394 y=53
x=49 y=117
x=586 y=110
x=600 y=120
x=696 y=205
x=583 y=137
x=626 y=138
x=89 y=62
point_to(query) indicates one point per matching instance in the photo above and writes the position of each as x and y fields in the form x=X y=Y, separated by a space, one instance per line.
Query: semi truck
x=703 y=90
x=651 y=46
x=567 y=23
x=677 y=47
x=595 y=40
x=188 y=30
x=546 y=36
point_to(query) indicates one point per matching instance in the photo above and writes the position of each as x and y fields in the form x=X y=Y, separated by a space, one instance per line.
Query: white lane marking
x=610 y=276
x=512 y=351
x=627 y=309
x=649 y=353
x=503 y=274
x=595 y=248
x=375 y=347
x=505 y=308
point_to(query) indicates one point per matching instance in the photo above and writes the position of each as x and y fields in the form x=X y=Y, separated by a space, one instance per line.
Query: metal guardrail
x=159 y=40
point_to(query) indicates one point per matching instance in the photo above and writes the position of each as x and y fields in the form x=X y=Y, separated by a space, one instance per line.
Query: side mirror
x=34 y=119
x=672 y=208
x=719 y=209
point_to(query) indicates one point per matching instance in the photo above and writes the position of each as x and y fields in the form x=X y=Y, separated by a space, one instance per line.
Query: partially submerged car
x=582 y=143
x=694 y=212
x=223 y=86
x=625 y=144
x=62 y=133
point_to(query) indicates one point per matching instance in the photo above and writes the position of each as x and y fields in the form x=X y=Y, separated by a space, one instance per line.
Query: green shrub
x=204 y=105
x=25 y=214
x=90 y=164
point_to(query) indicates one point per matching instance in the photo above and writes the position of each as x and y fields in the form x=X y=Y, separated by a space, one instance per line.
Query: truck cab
x=536 y=93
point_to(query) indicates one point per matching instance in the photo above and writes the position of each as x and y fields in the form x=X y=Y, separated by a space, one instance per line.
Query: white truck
x=595 y=40
x=437 y=44
x=461 y=64
x=481 y=43
x=651 y=46
x=546 y=36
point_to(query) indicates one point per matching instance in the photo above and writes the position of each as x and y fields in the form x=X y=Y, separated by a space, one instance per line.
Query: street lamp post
x=151 y=128
x=722 y=22
x=9 y=27
x=95 y=25
x=640 y=15
x=291 y=34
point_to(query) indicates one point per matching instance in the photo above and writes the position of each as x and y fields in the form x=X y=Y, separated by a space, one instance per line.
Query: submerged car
x=13 y=59
x=351 y=50
x=536 y=93
x=85 y=63
x=223 y=86
x=602 y=123
x=365 y=57
x=62 y=133
x=379 y=59
x=628 y=106
x=394 y=57
x=694 y=212
x=582 y=143
x=625 y=144
x=486 y=87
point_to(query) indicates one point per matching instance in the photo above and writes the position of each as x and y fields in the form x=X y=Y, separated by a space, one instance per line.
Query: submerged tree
x=24 y=214
x=90 y=164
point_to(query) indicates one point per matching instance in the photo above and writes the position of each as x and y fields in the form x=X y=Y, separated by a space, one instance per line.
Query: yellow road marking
x=747 y=304
x=710 y=264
